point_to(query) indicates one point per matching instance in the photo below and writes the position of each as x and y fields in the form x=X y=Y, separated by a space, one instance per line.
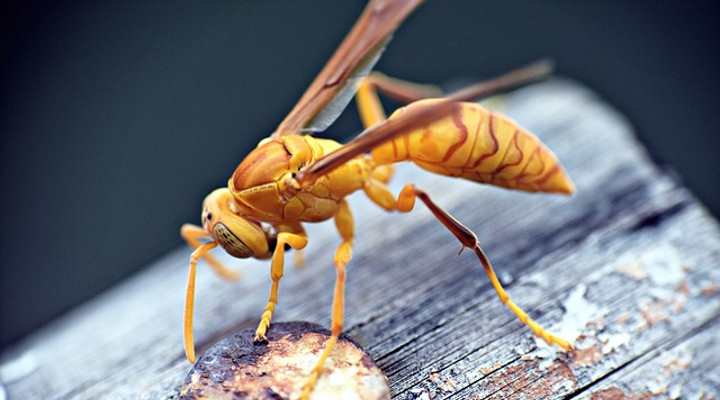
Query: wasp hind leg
x=400 y=90
x=405 y=203
x=346 y=226
x=408 y=92
x=297 y=241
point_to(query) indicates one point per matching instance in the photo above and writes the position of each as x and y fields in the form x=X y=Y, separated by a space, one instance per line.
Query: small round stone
x=236 y=368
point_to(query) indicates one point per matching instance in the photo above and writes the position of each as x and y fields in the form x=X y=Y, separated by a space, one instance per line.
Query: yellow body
x=290 y=179
x=263 y=184
x=477 y=144
x=261 y=211
x=472 y=143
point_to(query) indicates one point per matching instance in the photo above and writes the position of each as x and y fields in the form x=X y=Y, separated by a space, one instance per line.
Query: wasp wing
x=323 y=119
x=421 y=115
x=403 y=122
x=352 y=60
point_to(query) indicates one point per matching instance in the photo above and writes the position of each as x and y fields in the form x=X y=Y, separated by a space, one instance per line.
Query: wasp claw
x=260 y=339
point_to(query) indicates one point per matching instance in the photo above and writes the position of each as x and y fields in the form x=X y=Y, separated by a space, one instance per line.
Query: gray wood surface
x=630 y=265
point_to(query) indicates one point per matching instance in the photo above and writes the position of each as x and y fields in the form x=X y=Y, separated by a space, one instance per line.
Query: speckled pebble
x=236 y=368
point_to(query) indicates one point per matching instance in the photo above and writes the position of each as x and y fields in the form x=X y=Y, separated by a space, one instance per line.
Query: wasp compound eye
x=230 y=242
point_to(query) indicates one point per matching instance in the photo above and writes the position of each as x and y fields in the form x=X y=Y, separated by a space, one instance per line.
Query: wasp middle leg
x=346 y=227
x=296 y=240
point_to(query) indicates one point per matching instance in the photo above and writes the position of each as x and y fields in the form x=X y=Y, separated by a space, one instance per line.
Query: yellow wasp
x=292 y=177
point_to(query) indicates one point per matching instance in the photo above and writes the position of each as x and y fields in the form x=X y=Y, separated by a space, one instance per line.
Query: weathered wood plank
x=634 y=316
x=685 y=368
x=429 y=318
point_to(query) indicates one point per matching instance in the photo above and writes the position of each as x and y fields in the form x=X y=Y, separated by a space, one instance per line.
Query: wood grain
x=632 y=248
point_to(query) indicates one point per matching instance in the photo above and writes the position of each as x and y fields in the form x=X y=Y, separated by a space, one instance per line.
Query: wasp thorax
x=231 y=243
x=263 y=165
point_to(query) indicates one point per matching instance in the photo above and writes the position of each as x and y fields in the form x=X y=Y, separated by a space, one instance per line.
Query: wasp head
x=239 y=236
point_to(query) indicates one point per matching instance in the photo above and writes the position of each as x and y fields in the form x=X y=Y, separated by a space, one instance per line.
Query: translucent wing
x=422 y=115
x=323 y=119
x=352 y=60
x=378 y=134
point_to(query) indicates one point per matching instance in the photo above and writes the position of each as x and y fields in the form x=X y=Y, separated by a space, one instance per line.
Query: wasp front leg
x=192 y=235
x=296 y=240
x=188 y=340
x=298 y=255
x=346 y=227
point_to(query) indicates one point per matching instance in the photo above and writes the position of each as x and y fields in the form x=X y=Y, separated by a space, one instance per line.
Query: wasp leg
x=188 y=340
x=408 y=92
x=299 y=254
x=192 y=234
x=371 y=112
x=295 y=240
x=368 y=103
x=346 y=226
x=401 y=90
x=405 y=203
x=383 y=173
x=379 y=194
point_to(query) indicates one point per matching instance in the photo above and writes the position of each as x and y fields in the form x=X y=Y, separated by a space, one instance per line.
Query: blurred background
x=118 y=117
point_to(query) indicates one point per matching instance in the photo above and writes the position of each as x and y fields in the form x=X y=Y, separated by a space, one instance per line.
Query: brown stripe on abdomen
x=498 y=152
x=491 y=133
x=462 y=131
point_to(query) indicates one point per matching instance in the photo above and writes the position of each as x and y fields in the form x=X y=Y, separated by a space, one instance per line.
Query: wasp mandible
x=292 y=177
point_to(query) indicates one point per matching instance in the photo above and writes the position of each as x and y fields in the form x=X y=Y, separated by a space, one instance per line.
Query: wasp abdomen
x=477 y=144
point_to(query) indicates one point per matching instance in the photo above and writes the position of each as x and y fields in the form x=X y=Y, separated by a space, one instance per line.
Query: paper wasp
x=292 y=177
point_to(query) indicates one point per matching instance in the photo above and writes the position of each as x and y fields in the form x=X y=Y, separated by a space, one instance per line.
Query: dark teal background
x=118 y=117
